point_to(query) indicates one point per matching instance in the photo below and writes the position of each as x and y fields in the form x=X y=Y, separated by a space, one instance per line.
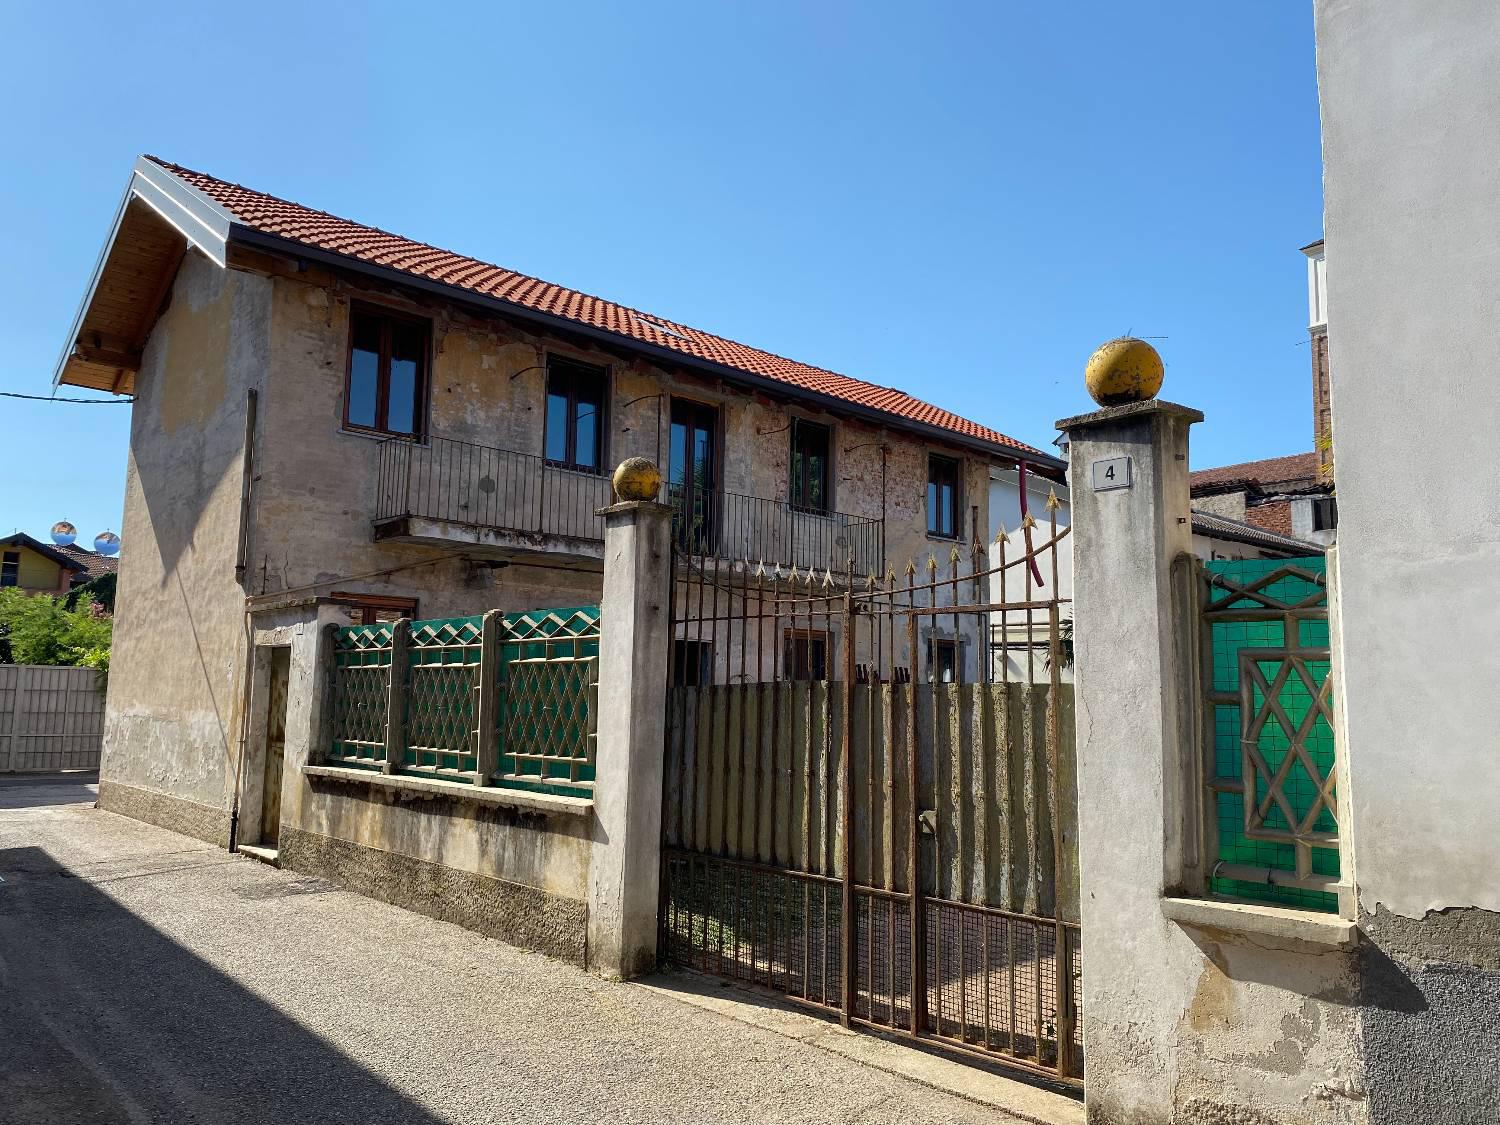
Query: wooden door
x=270 y=804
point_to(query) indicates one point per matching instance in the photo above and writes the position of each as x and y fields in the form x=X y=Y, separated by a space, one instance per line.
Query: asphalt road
x=148 y=978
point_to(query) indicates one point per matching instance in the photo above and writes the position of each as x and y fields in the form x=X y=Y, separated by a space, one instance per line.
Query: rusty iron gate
x=869 y=794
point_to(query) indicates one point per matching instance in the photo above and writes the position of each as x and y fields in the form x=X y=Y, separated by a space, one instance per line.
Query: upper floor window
x=10 y=568
x=1325 y=513
x=942 y=497
x=810 y=491
x=575 y=414
x=387 y=384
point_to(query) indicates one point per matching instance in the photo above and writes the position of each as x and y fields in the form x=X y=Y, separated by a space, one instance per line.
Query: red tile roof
x=327 y=232
x=93 y=563
x=1298 y=467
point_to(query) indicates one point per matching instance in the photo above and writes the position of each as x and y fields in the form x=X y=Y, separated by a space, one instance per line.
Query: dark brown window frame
x=706 y=538
x=570 y=461
x=1325 y=513
x=10 y=563
x=797 y=496
x=809 y=637
x=371 y=606
x=692 y=662
x=935 y=647
x=958 y=497
x=423 y=390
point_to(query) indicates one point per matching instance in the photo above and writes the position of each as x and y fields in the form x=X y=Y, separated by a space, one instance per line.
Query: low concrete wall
x=202 y=822
x=512 y=867
x=521 y=915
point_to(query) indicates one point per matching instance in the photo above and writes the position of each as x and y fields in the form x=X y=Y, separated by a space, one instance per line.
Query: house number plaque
x=1111 y=473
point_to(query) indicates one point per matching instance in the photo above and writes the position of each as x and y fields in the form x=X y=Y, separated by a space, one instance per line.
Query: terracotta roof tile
x=93 y=563
x=1273 y=470
x=318 y=229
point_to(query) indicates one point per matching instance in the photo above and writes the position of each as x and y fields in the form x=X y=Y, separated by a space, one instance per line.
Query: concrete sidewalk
x=146 y=977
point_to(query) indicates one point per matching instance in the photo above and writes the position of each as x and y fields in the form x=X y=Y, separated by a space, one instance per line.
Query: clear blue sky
x=961 y=200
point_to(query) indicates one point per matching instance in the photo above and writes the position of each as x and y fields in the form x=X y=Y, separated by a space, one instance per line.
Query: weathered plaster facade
x=192 y=633
x=179 y=641
x=1194 y=1011
x=1409 y=103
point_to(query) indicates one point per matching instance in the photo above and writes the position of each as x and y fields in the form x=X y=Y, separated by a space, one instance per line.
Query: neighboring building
x=1317 y=331
x=1215 y=537
x=94 y=564
x=329 y=414
x=1410 y=100
x=40 y=568
x=1289 y=496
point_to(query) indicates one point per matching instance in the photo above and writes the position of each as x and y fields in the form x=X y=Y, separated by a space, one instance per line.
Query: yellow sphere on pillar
x=1122 y=371
x=637 y=478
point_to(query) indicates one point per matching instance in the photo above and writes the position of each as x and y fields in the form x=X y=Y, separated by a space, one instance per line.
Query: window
x=10 y=569
x=810 y=492
x=1325 y=514
x=805 y=655
x=942 y=497
x=575 y=415
x=387 y=385
x=692 y=663
x=372 y=609
x=942 y=659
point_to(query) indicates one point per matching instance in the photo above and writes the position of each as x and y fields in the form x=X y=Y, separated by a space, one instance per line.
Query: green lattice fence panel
x=1273 y=789
x=548 y=688
x=442 y=697
x=361 y=679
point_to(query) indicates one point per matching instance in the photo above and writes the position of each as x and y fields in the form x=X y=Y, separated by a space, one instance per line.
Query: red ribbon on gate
x=1026 y=523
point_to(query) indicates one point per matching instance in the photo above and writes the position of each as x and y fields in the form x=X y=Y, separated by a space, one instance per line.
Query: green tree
x=37 y=629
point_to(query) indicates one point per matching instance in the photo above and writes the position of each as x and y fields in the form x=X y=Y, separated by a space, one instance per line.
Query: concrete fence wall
x=50 y=718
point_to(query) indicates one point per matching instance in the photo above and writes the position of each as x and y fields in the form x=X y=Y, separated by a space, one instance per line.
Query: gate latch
x=927 y=821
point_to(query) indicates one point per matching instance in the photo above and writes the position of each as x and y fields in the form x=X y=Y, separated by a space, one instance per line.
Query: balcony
x=749 y=529
x=447 y=492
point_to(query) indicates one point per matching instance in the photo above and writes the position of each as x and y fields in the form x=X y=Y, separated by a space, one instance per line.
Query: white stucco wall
x=1410 y=102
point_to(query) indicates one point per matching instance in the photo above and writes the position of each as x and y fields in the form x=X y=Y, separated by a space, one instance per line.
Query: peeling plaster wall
x=317 y=490
x=176 y=690
x=171 y=719
x=1409 y=103
x=1182 y=1025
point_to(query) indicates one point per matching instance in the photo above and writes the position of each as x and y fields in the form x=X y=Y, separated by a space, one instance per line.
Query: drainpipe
x=241 y=562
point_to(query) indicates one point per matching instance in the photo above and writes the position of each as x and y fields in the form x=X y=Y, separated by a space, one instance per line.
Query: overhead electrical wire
x=81 y=401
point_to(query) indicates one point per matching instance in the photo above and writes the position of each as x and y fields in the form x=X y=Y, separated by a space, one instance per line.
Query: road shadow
x=105 y=1019
x=28 y=791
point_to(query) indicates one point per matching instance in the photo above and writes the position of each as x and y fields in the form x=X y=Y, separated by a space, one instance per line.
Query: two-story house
x=38 y=568
x=327 y=412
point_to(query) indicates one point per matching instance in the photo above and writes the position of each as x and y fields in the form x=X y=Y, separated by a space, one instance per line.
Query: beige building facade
x=320 y=441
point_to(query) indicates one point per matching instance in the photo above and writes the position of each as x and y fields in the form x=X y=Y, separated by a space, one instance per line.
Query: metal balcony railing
x=478 y=485
x=481 y=486
x=749 y=528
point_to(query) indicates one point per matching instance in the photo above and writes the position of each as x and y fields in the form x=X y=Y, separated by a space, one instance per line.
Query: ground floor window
x=692 y=663
x=805 y=654
x=372 y=609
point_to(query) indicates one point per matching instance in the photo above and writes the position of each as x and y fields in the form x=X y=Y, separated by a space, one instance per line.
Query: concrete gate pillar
x=625 y=870
x=1130 y=505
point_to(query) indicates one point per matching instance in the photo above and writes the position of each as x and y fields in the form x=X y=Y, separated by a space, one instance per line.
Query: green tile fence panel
x=1274 y=784
x=361 y=679
x=548 y=691
x=442 y=697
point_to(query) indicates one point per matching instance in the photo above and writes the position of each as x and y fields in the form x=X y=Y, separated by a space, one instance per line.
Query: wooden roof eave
x=157 y=219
